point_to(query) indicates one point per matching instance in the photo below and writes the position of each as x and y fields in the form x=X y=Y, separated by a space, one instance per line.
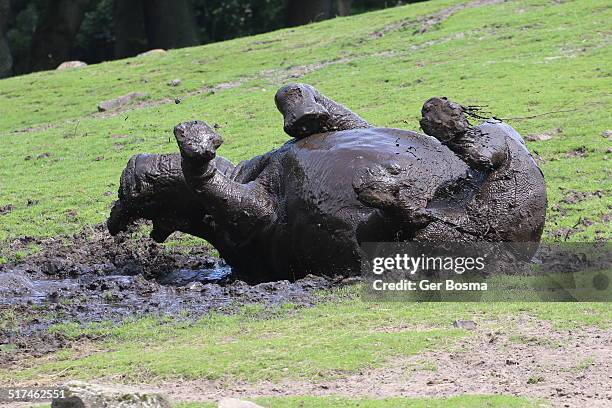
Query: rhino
x=307 y=206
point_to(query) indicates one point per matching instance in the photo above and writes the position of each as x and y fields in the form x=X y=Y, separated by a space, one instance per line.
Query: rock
x=543 y=136
x=538 y=137
x=464 y=324
x=607 y=134
x=120 y=101
x=236 y=403
x=155 y=51
x=71 y=64
x=84 y=395
x=174 y=82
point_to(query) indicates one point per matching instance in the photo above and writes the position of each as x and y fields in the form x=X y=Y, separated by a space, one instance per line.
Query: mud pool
x=94 y=278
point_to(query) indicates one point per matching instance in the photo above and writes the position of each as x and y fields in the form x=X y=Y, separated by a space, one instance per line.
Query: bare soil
x=520 y=356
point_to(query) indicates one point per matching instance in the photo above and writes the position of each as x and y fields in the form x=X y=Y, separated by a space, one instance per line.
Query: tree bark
x=6 y=59
x=301 y=12
x=344 y=7
x=130 y=34
x=52 y=40
x=170 y=24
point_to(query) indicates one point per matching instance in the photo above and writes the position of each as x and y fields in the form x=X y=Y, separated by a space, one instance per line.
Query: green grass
x=328 y=341
x=520 y=58
x=540 y=62
x=484 y=401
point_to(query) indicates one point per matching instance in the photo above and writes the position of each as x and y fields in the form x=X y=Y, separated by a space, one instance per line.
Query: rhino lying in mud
x=306 y=206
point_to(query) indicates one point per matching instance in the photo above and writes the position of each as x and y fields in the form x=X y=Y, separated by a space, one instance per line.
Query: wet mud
x=92 y=277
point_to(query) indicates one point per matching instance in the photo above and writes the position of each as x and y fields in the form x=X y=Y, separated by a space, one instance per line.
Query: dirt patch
x=120 y=101
x=93 y=277
x=6 y=209
x=423 y=24
x=207 y=90
x=37 y=128
x=538 y=137
x=574 y=197
x=579 y=152
x=519 y=355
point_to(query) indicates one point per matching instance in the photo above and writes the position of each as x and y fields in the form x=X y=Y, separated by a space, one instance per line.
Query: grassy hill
x=543 y=65
x=539 y=63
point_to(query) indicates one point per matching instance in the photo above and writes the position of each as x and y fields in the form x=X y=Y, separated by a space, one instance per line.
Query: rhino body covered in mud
x=307 y=206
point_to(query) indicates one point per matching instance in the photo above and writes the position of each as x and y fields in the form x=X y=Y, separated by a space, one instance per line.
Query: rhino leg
x=447 y=121
x=234 y=206
x=307 y=112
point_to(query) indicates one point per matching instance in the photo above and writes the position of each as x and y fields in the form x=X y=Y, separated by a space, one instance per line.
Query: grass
x=540 y=64
x=329 y=341
x=520 y=59
x=484 y=401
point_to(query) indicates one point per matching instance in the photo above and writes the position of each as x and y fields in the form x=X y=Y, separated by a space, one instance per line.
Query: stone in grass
x=120 y=101
x=155 y=51
x=236 y=403
x=71 y=64
x=80 y=394
x=464 y=324
x=543 y=136
x=174 y=82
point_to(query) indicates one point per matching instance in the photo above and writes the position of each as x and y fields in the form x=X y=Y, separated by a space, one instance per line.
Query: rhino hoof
x=197 y=140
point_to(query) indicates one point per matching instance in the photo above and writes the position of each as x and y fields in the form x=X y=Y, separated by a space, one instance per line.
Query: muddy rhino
x=340 y=181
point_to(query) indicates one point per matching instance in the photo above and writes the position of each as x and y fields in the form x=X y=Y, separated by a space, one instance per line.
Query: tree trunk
x=170 y=24
x=130 y=34
x=344 y=7
x=6 y=59
x=303 y=12
x=52 y=40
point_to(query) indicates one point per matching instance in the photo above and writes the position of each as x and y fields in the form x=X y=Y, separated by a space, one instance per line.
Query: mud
x=91 y=277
